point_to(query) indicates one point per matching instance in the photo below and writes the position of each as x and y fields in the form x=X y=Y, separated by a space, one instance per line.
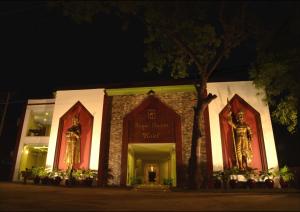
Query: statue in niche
x=73 y=134
x=242 y=139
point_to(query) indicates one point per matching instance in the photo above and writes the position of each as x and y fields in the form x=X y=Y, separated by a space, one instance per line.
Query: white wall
x=32 y=105
x=249 y=93
x=92 y=100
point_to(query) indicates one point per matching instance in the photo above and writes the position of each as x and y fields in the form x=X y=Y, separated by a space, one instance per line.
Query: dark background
x=43 y=51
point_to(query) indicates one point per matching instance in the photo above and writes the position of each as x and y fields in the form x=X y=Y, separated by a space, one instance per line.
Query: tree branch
x=209 y=98
x=234 y=34
x=180 y=43
x=215 y=64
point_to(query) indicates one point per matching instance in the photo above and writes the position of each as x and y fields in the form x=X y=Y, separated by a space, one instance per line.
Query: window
x=33 y=155
x=39 y=123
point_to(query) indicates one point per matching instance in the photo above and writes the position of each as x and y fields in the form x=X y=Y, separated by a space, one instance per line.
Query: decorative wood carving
x=151 y=122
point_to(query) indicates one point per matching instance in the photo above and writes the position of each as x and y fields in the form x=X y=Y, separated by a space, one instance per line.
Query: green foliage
x=277 y=64
x=178 y=35
x=225 y=174
x=266 y=174
x=169 y=29
x=136 y=180
x=282 y=90
x=163 y=54
x=78 y=174
x=285 y=174
x=218 y=175
x=36 y=171
x=81 y=174
x=81 y=11
x=249 y=173
x=43 y=172
x=286 y=113
x=168 y=181
x=88 y=173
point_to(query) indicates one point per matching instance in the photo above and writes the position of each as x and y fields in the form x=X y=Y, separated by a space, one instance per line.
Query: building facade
x=144 y=133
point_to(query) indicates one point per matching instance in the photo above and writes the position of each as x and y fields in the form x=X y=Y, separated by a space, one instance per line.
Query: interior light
x=45 y=119
x=26 y=151
x=40 y=147
x=46 y=113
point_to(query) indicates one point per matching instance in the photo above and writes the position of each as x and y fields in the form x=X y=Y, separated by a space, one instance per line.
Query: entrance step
x=152 y=187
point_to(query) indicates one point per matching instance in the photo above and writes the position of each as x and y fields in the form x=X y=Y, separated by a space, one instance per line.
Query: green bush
x=286 y=174
x=136 y=180
x=168 y=181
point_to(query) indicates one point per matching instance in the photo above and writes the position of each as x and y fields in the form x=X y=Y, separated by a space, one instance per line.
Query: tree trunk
x=194 y=169
x=203 y=99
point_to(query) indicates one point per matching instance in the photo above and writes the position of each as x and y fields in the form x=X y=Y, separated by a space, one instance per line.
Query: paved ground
x=19 y=197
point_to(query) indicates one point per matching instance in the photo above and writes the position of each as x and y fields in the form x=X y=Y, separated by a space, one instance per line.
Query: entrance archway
x=151 y=163
x=152 y=122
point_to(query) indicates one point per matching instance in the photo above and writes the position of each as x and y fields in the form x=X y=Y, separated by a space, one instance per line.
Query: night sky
x=42 y=51
x=52 y=51
x=41 y=46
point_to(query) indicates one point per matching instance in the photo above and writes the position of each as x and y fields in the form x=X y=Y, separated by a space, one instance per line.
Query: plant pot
x=269 y=183
x=88 y=182
x=261 y=184
x=233 y=183
x=71 y=182
x=56 y=181
x=45 y=180
x=36 y=180
x=251 y=183
x=217 y=183
x=283 y=183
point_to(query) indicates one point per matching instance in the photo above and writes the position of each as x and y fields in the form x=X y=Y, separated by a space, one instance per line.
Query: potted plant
x=232 y=173
x=286 y=176
x=75 y=177
x=27 y=174
x=89 y=176
x=36 y=173
x=44 y=175
x=56 y=177
x=250 y=175
x=168 y=181
x=267 y=176
x=217 y=179
x=136 y=181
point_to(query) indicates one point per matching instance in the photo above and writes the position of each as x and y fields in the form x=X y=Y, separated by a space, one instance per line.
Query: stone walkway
x=20 y=197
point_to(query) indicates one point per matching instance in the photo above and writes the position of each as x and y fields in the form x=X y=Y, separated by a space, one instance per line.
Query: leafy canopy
x=278 y=63
x=185 y=38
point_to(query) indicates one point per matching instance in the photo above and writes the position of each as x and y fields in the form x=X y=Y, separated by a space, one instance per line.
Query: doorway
x=151 y=163
x=151 y=173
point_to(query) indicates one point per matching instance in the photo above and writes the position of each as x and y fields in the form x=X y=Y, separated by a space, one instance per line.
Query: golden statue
x=73 y=134
x=242 y=139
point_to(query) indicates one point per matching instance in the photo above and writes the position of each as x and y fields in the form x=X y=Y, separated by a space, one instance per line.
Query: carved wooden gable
x=151 y=122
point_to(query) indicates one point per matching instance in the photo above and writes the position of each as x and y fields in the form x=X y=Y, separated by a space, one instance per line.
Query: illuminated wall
x=92 y=100
x=247 y=91
x=40 y=106
x=131 y=167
